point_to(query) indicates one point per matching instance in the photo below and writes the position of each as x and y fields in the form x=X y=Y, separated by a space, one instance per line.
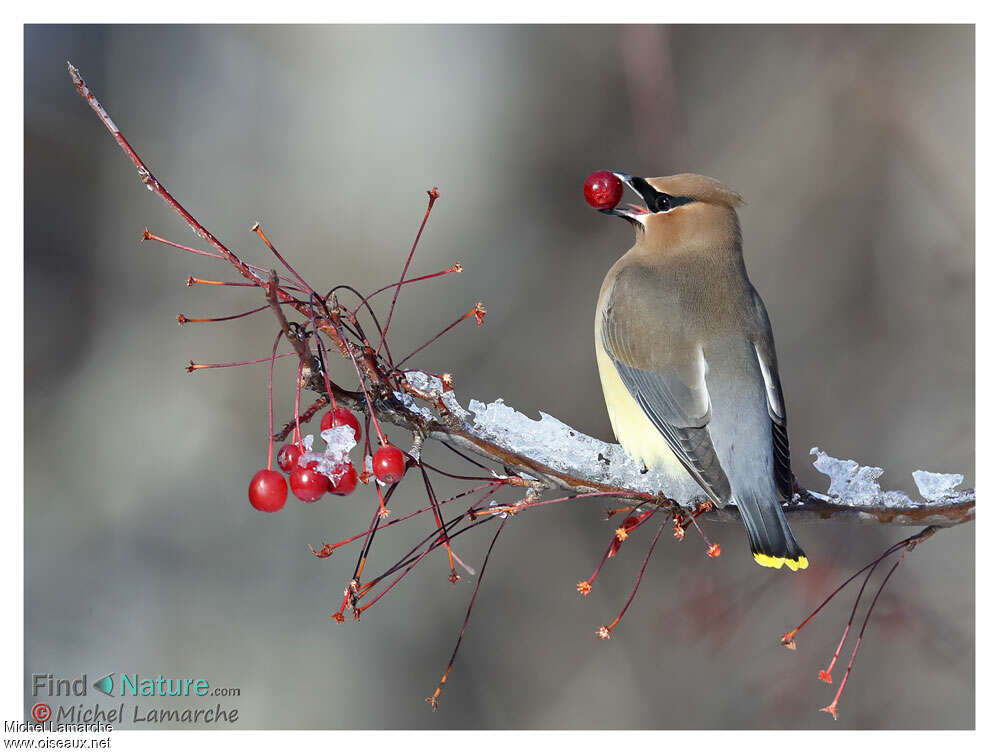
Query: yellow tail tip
x=772 y=561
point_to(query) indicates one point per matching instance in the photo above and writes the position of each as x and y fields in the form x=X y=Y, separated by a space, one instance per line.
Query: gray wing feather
x=673 y=396
x=766 y=354
x=691 y=444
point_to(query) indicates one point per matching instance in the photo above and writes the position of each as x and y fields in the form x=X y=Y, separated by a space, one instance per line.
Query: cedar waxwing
x=687 y=360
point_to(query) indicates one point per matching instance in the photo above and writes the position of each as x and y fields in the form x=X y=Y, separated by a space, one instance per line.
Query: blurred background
x=853 y=147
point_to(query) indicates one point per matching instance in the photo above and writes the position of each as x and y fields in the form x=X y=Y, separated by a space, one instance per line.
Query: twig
x=149 y=180
x=468 y=614
x=433 y=195
x=304 y=355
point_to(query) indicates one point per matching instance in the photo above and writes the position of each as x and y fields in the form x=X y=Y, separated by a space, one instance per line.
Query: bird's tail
x=770 y=538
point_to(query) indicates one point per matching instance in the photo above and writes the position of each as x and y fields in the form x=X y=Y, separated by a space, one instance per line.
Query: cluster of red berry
x=268 y=490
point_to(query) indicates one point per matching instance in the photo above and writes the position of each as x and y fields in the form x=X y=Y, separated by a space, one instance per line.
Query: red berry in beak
x=339 y=418
x=388 y=464
x=307 y=485
x=287 y=457
x=268 y=491
x=603 y=189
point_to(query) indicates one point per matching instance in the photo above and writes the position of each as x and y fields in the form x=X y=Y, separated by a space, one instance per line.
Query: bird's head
x=677 y=207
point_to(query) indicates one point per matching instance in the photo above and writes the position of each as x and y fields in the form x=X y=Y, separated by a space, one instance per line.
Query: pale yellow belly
x=632 y=428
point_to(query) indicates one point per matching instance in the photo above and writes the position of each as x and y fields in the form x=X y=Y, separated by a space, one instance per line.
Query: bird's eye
x=663 y=203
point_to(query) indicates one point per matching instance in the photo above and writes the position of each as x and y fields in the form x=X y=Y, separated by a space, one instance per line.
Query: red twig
x=826 y=675
x=440 y=526
x=478 y=311
x=184 y=319
x=147 y=236
x=604 y=631
x=260 y=232
x=270 y=404
x=468 y=614
x=433 y=195
x=192 y=367
x=409 y=562
x=191 y=280
x=456 y=267
x=524 y=505
x=788 y=639
x=831 y=709
x=303 y=418
x=584 y=587
x=328 y=549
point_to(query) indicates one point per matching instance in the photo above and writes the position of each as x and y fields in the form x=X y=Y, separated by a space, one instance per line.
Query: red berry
x=603 y=189
x=288 y=457
x=341 y=417
x=307 y=485
x=347 y=482
x=268 y=491
x=388 y=464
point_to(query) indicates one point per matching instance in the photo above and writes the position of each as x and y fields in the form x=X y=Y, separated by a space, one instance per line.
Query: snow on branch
x=560 y=457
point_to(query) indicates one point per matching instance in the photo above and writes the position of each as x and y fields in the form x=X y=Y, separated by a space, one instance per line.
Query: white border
x=841 y=11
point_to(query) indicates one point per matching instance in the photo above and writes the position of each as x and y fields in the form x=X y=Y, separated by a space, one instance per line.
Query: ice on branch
x=937 y=486
x=332 y=462
x=556 y=455
x=412 y=405
x=848 y=480
x=431 y=385
x=548 y=450
x=564 y=449
x=853 y=484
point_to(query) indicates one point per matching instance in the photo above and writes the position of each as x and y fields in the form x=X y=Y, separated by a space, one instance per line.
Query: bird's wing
x=666 y=379
x=766 y=354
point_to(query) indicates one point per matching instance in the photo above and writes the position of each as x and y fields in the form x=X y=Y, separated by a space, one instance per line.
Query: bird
x=686 y=357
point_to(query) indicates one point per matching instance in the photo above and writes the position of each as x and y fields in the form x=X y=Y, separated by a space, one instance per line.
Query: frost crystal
x=339 y=442
x=936 y=486
x=848 y=479
x=333 y=461
x=857 y=485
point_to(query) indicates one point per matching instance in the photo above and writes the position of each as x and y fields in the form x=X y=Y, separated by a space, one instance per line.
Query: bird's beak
x=633 y=212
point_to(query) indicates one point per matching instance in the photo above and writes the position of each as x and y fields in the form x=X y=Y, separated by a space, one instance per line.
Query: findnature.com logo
x=133 y=685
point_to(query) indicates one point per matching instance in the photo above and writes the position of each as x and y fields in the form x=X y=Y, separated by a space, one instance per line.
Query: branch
x=556 y=456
